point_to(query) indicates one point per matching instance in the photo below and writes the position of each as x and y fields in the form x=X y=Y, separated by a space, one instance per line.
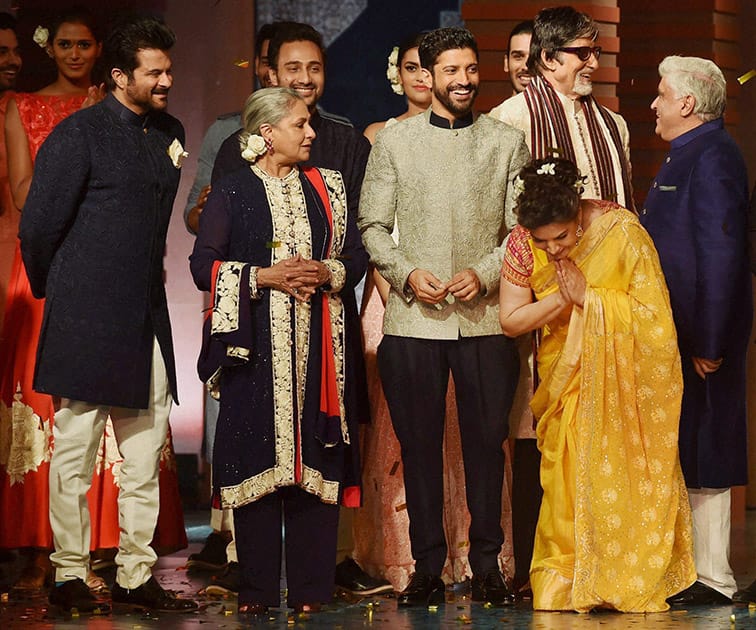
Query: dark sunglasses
x=583 y=52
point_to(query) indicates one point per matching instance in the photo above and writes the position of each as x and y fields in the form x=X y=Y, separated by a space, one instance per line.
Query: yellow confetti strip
x=400 y=507
x=747 y=76
x=242 y=63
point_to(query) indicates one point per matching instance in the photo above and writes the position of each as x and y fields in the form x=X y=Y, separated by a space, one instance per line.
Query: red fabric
x=213 y=281
x=329 y=396
x=352 y=497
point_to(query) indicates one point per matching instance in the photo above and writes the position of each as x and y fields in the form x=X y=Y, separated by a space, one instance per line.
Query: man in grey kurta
x=445 y=178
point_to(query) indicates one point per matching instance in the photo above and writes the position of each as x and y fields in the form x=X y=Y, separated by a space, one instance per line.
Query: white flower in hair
x=254 y=148
x=518 y=185
x=392 y=71
x=41 y=36
x=547 y=169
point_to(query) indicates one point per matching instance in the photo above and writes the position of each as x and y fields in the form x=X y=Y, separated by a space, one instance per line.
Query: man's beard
x=446 y=100
x=582 y=89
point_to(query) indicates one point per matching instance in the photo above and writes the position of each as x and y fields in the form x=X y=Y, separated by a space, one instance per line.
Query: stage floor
x=31 y=611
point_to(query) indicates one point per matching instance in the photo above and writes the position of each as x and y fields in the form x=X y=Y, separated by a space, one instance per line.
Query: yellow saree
x=615 y=525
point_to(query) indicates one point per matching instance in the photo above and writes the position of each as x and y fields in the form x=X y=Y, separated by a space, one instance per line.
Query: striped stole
x=550 y=134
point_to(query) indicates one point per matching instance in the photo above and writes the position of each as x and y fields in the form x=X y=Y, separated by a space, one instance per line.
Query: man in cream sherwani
x=445 y=177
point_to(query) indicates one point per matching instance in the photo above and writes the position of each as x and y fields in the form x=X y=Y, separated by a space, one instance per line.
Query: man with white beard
x=558 y=113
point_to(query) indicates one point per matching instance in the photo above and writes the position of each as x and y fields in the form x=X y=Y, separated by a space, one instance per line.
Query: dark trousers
x=526 y=503
x=415 y=376
x=310 y=539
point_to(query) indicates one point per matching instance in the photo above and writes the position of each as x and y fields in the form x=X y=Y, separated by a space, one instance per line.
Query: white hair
x=267 y=105
x=700 y=78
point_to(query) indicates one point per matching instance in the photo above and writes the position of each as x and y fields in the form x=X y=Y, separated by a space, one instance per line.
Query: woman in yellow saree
x=614 y=529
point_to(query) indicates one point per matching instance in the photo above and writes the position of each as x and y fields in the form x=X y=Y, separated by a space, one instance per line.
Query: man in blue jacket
x=92 y=238
x=697 y=214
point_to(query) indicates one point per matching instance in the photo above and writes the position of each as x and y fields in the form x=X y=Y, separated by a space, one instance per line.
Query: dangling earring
x=579 y=232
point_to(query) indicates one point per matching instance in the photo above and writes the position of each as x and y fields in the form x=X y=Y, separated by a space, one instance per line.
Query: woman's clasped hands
x=571 y=281
x=298 y=276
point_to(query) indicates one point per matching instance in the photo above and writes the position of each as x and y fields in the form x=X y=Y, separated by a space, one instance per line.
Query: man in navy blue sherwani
x=697 y=214
x=92 y=238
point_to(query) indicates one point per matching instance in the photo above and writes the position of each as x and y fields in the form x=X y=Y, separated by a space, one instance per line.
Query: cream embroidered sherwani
x=450 y=192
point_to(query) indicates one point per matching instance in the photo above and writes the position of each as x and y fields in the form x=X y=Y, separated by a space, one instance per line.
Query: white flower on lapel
x=176 y=153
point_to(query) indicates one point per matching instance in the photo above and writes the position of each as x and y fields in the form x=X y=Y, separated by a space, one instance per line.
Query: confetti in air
x=747 y=76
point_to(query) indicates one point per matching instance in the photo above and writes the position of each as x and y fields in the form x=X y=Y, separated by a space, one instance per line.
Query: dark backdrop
x=356 y=84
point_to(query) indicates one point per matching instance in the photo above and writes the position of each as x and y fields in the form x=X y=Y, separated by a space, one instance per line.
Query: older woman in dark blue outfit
x=281 y=255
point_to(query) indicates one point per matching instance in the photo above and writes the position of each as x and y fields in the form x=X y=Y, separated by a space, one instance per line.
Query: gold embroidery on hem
x=271 y=480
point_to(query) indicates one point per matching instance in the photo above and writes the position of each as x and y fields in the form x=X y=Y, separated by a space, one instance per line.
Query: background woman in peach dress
x=381 y=526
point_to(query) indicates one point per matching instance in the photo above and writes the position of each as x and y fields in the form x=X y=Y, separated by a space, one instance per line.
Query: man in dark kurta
x=696 y=213
x=92 y=237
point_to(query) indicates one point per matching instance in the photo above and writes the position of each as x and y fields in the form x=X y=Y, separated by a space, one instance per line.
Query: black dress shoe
x=212 y=556
x=423 y=590
x=350 y=577
x=746 y=595
x=491 y=587
x=227 y=583
x=153 y=596
x=698 y=594
x=75 y=594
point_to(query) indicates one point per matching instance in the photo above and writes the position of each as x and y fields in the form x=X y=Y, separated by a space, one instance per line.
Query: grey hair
x=554 y=28
x=265 y=106
x=700 y=78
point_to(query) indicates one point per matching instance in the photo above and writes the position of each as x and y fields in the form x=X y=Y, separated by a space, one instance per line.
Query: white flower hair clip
x=518 y=186
x=580 y=183
x=546 y=169
x=253 y=148
x=392 y=71
x=41 y=36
